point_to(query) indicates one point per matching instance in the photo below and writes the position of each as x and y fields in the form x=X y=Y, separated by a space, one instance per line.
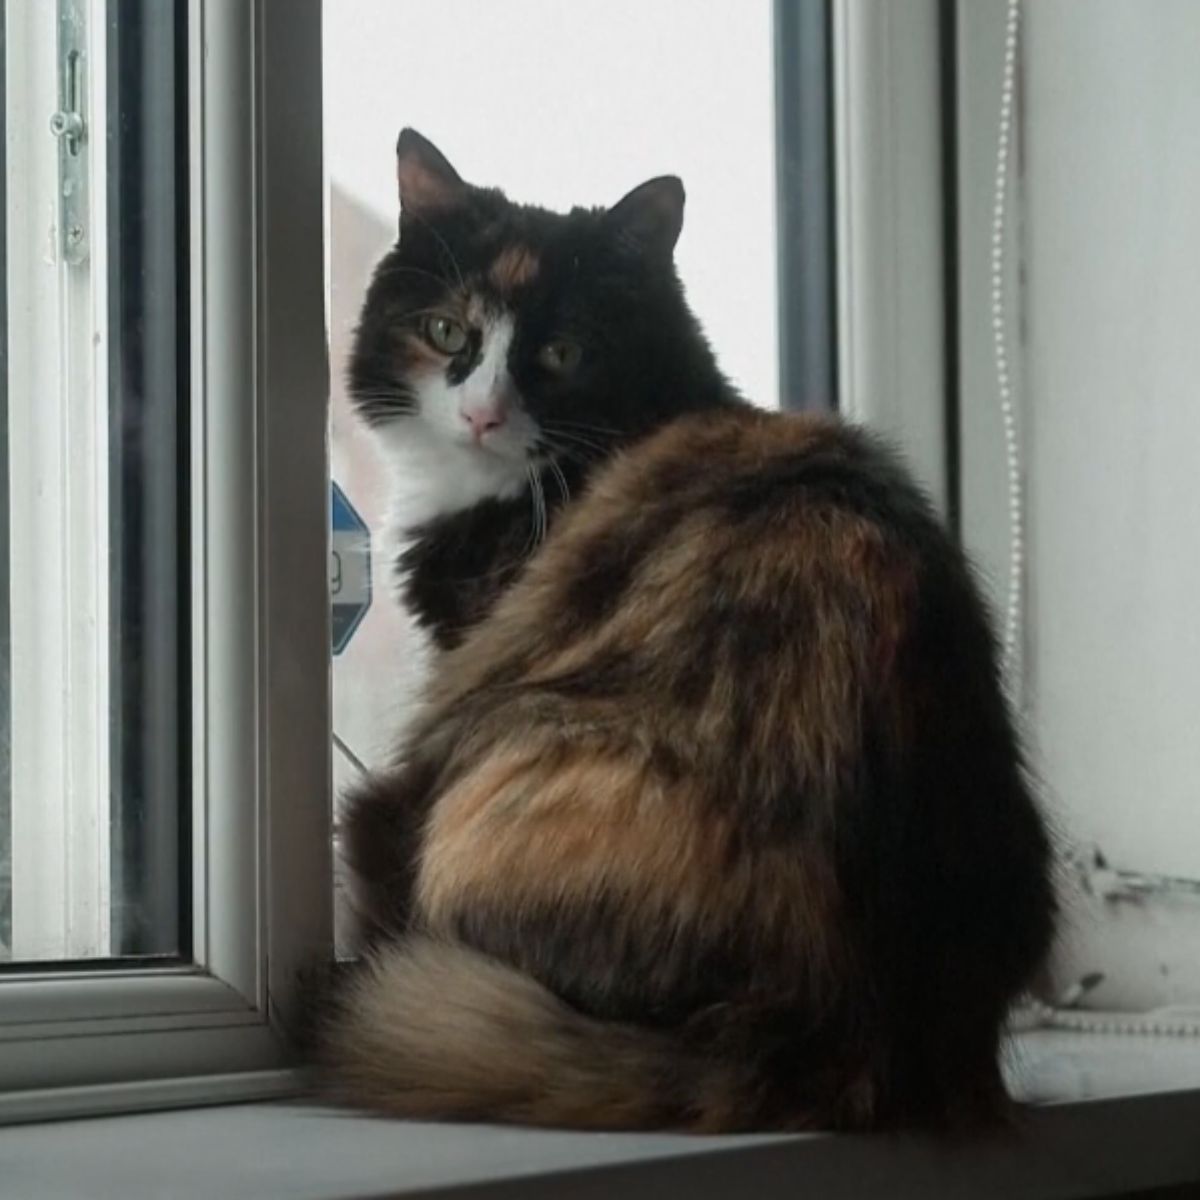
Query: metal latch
x=70 y=126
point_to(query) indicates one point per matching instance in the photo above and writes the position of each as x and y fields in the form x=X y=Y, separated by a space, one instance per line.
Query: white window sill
x=1098 y=1138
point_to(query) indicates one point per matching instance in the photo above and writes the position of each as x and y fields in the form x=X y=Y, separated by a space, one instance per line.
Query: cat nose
x=484 y=418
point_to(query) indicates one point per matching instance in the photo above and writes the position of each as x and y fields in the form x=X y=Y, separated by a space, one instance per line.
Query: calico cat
x=502 y=351
x=715 y=816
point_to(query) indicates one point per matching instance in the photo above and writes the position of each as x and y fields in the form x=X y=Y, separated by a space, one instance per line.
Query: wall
x=1108 y=235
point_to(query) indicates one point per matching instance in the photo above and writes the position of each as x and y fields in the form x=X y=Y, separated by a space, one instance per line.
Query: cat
x=572 y=341
x=715 y=817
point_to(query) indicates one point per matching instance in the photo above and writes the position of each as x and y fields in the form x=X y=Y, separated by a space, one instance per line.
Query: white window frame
x=89 y=1039
x=58 y=547
x=890 y=262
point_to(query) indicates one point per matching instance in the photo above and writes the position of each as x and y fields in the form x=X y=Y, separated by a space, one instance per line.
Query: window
x=590 y=147
x=165 y=799
x=166 y=690
x=96 y=830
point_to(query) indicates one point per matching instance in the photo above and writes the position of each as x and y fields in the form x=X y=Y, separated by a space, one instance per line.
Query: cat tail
x=434 y=1030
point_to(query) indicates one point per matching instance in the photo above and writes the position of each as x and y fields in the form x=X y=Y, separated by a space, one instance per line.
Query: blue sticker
x=349 y=569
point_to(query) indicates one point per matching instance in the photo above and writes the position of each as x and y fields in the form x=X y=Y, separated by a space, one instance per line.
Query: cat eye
x=560 y=356
x=446 y=335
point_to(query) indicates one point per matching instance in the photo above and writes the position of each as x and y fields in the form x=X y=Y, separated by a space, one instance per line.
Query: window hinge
x=70 y=126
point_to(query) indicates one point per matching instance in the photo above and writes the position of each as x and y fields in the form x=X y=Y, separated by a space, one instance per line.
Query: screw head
x=66 y=125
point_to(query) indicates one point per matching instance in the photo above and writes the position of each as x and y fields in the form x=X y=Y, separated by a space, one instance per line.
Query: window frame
x=74 y=1040
x=891 y=237
x=805 y=205
x=58 y=539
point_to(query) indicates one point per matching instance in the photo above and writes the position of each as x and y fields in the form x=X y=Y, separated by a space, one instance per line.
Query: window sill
x=1091 y=1136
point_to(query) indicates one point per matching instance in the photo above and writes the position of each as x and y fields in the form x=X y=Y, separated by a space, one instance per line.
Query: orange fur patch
x=546 y=824
x=513 y=267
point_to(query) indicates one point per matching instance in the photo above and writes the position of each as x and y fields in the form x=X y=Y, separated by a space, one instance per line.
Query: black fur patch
x=644 y=361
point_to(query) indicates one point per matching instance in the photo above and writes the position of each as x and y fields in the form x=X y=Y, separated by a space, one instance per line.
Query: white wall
x=1112 y=226
x=1111 y=209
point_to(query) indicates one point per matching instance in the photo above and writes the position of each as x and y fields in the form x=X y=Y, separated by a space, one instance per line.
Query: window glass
x=94 y=451
x=559 y=105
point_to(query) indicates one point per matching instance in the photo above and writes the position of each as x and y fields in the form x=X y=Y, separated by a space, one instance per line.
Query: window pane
x=527 y=102
x=93 y=853
x=148 y=519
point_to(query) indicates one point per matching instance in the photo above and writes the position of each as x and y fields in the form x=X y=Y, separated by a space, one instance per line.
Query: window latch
x=70 y=126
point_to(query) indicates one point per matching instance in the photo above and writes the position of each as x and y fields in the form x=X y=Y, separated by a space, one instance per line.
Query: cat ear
x=650 y=216
x=427 y=180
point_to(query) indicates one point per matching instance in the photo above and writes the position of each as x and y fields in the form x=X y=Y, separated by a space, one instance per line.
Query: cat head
x=501 y=336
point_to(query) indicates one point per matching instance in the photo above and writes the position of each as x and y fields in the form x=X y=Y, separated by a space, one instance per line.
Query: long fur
x=433 y=1029
x=715 y=816
x=728 y=763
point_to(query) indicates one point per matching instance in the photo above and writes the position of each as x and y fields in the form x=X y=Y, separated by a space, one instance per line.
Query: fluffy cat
x=573 y=342
x=715 y=816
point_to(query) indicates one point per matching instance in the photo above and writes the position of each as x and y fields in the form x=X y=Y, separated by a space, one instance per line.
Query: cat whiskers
x=537 y=497
x=573 y=445
x=560 y=479
x=531 y=541
x=396 y=396
x=598 y=436
x=384 y=404
x=558 y=423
